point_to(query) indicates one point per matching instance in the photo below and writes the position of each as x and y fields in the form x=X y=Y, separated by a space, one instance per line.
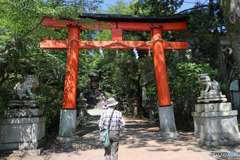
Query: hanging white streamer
x=135 y=52
x=101 y=52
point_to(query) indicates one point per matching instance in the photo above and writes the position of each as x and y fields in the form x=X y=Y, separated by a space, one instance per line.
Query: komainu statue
x=207 y=84
x=210 y=90
x=27 y=87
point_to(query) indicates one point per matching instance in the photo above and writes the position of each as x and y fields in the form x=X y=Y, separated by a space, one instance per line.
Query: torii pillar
x=67 y=126
x=165 y=109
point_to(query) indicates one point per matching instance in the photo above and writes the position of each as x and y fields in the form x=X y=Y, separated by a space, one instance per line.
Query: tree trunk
x=235 y=41
x=231 y=11
x=223 y=67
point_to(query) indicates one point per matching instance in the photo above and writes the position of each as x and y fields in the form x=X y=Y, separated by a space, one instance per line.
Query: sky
x=186 y=5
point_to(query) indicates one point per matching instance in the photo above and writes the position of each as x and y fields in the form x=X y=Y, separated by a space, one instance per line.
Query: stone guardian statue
x=25 y=90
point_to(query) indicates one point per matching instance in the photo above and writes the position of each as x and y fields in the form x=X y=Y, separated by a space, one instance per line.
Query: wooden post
x=160 y=70
x=68 y=116
x=70 y=88
x=165 y=110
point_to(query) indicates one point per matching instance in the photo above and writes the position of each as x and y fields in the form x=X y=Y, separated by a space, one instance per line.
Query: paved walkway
x=140 y=141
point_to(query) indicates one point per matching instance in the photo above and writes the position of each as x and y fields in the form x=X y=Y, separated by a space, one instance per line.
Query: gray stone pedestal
x=23 y=129
x=215 y=124
x=167 y=122
x=67 y=128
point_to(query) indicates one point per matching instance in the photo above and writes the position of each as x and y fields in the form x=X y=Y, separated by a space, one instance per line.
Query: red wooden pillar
x=70 y=88
x=160 y=70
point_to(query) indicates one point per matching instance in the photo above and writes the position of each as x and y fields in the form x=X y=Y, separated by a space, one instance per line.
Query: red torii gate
x=118 y=23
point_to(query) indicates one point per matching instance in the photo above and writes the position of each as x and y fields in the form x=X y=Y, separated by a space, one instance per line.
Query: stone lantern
x=151 y=105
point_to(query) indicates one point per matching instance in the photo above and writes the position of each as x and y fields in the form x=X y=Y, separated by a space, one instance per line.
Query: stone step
x=213 y=107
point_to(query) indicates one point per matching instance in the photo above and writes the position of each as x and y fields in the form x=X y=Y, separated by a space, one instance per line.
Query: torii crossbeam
x=118 y=23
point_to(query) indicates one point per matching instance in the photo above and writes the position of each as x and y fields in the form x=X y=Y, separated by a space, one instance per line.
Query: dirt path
x=139 y=141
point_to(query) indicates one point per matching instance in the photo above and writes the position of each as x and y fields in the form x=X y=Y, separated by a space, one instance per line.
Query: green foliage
x=184 y=88
x=204 y=50
x=120 y=8
x=157 y=7
x=206 y=20
x=50 y=99
x=21 y=32
x=5 y=96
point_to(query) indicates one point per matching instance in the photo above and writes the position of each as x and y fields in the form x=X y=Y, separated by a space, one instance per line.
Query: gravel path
x=139 y=141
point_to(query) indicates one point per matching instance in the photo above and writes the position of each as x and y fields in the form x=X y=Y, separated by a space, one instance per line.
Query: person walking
x=104 y=104
x=116 y=126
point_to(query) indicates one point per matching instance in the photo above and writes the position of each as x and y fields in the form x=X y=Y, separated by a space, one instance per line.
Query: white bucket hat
x=111 y=102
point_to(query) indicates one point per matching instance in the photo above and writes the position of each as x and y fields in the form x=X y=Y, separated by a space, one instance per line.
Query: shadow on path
x=137 y=134
x=139 y=139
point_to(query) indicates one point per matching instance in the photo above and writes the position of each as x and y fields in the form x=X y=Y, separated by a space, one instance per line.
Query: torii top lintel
x=124 y=22
x=117 y=24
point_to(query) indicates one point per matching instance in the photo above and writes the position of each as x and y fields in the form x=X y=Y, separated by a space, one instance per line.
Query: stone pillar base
x=215 y=124
x=28 y=152
x=67 y=127
x=169 y=134
x=22 y=133
x=67 y=139
x=223 y=142
x=167 y=122
x=23 y=146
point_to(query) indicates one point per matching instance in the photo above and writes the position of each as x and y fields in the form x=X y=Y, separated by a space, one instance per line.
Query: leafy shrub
x=50 y=99
x=5 y=96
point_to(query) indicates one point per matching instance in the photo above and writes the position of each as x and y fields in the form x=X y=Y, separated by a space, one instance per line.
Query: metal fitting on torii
x=155 y=26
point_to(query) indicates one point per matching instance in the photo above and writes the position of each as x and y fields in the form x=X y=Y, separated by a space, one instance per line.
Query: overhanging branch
x=202 y=6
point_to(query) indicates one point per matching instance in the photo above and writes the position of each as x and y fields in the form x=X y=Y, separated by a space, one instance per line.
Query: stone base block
x=213 y=107
x=25 y=152
x=22 y=103
x=67 y=139
x=217 y=136
x=28 y=112
x=211 y=96
x=28 y=152
x=215 y=114
x=22 y=133
x=216 y=128
x=169 y=134
x=22 y=146
x=67 y=127
x=167 y=122
x=226 y=142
